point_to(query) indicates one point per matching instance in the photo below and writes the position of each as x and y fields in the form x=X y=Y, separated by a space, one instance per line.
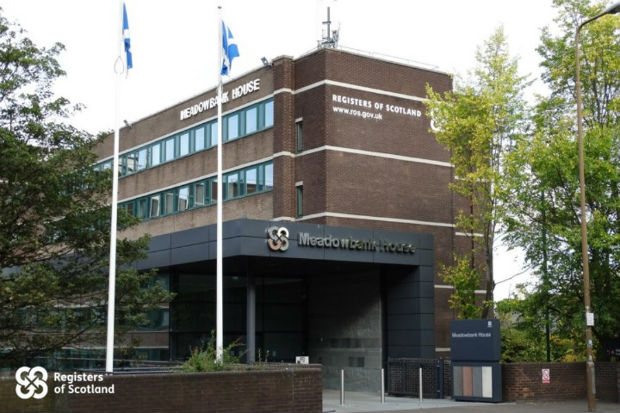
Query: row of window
x=235 y=125
x=247 y=181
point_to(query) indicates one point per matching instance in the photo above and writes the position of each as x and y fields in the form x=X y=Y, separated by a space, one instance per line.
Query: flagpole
x=109 y=362
x=219 y=335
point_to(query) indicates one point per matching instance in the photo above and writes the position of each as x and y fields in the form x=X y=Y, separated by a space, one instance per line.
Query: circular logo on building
x=31 y=382
x=277 y=238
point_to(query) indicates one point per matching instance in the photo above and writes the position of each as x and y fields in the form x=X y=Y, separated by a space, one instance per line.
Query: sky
x=174 y=46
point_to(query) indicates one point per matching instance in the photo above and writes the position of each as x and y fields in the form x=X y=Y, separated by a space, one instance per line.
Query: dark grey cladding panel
x=410 y=305
x=411 y=338
x=412 y=289
x=253 y=246
x=381 y=257
x=409 y=321
x=242 y=228
x=412 y=238
x=426 y=256
x=426 y=241
x=401 y=305
x=231 y=247
x=295 y=228
x=428 y=352
x=189 y=253
x=155 y=259
x=189 y=237
x=160 y=242
x=295 y=251
x=406 y=351
x=340 y=254
x=426 y=274
x=249 y=237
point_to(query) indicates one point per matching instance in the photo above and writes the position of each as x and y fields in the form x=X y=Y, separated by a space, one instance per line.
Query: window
x=250 y=180
x=199 y=139
x=268 y=176
x=142 y=210
x=232 y=186
x=233 y=127
x=213 y=190
x=169 y=202
x=132 y=163
x=213 y=134
x=155 y=154
x=269 y=114
x=199 y=191
x=184 y=144
x=299 y=136
x=142 y=159
x=130 y=207
x=154 y=212
x=169 y=150
x=299 y=189
x=183 y=199
x=251 y=120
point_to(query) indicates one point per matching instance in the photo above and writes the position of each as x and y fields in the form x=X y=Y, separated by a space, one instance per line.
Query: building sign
x=350 y=243
x=301 y=360
x=369 y=109
x=227 y=96
x=475 y=340
x=546 y=376
x=278 y=240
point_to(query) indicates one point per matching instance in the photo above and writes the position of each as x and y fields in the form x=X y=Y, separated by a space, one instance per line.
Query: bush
x=205 y=360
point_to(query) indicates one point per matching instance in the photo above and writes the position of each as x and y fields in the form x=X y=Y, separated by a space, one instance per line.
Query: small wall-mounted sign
x=301 y=360
x=546 y=376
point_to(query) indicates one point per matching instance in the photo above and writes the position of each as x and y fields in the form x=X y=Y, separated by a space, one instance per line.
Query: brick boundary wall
x=293 y=389
x=523 y=381
x=520 y=381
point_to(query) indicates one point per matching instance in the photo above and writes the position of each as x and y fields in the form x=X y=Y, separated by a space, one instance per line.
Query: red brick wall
x=283 y=390
x=523 y=381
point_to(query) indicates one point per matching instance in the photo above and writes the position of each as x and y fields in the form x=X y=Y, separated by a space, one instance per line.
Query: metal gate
x=403 y=377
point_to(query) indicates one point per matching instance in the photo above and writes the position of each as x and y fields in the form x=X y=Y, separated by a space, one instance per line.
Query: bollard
x=382 y=386
x=420 y=386
x=342 y=387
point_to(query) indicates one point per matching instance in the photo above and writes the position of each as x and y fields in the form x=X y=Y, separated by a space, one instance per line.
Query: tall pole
x=590 y=373
x=219 y=333
x=591 y=390
x=119 y=68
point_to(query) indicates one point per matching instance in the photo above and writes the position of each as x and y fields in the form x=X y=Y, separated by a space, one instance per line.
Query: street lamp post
x=591 y=388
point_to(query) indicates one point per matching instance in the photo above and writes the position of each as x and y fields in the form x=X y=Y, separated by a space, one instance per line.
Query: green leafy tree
x=479 y=122
x=523 y=322
x=54 y=218
x=547 y=163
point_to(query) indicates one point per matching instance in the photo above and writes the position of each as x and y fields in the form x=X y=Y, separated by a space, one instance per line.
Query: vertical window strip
x=299 y=189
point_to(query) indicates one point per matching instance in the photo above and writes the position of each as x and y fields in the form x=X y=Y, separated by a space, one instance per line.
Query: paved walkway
x=356 y=402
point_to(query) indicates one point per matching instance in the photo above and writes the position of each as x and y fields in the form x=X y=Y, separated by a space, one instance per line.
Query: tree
x=480 y=122
x=522 y=321
x=54 y=217
x=547 y=163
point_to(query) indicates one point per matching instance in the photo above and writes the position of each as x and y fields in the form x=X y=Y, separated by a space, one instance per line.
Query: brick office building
x=337 y=213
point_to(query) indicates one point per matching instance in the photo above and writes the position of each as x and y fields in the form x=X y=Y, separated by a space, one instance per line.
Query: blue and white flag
x=229 y=49
x=126 y=39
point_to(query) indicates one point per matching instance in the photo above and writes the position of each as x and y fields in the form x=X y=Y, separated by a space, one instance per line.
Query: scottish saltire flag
x=126 y=39
x=229 y=49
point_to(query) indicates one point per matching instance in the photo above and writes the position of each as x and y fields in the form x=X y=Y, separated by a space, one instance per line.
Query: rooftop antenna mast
x=330 y=38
